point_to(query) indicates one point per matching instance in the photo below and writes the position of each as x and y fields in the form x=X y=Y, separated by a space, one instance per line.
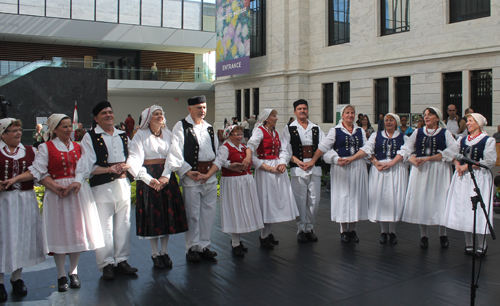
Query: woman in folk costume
x=430 y=150
x=277 y=202
x=388 y=178
x=21 y=240
x=459 y=216
x=239 y=203
x=160 y=209
x=71 y=222
x=349 y=181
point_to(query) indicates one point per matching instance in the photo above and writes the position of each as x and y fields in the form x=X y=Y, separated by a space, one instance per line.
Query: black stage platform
x=323 y=273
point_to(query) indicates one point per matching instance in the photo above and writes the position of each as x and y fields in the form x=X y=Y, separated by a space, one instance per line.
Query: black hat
x=299 y=102
x=197 y=100
x=99 y=107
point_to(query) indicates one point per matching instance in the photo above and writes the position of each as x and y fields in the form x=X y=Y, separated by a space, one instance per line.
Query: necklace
x=430 y=135
x=67 y=144
x=471 y=138
x=11 y=153
x=156 y=134
x=349 y=130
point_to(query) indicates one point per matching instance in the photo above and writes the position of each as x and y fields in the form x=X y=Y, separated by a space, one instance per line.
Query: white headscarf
x=147 y=114
x=264 y=114
x=396 y=117
x=4 y=124
x=52 y=123
x=440 y=117
x=343 y=109
x=480 y=119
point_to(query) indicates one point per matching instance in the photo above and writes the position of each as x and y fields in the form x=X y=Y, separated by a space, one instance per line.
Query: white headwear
x=343 y=109
x=264 y=114
x=396 y=117
x=147 y=114
x=4 y=124
x=479 y=119
x=52 y=123
x=440 y=117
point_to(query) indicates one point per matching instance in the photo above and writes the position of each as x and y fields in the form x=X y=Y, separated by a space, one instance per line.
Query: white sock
x=164 y=244
x=442 y=231
x=265 y=231
x=74 y=258
x=384 y=227
x=16 y=275
x=481 y=241
x=235 y=240
x=468 y=239
x=344 y=227
x=392 y=227
x=60 y=260
x=423 y=230
x=154 y=247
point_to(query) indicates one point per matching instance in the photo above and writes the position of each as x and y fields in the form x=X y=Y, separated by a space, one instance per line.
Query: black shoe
x=108 y=272
x=345 y=237
x=266 y=243
x=158 y=262
x=424 y=243
x=480 y=252
x=393 y=239
x=207 y=253
x=243 y=247
x=192 y=256
x=444 y=241
x=301 y=237
x=166 y=260
x=18 y=287
x=354 y=237
x=311 y=236
x=62 y=284
x=238 y=251
x=74 y=281
x=124 y=268
x=3 y=293
x=273 y=240
x=469 y=250
x=383 y=238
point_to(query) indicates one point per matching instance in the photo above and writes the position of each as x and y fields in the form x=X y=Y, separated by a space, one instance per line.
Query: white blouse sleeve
x=326 y=146
x=39 y=168
x=176 y=160
x=253 y=144
x=452 y=148
x=490 y=153
x=136 y=159
x=409 y=147
x=286 y=152
x=221 y=159
x=400 y=151
x=86 y=164
x=284 y=158
x=369 y=147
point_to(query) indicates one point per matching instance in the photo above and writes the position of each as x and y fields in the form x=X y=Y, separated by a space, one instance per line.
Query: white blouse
x=448 y=154
x=39 y=169
x=490 y=151
x=332 y=157
x=369 y=147
x=254 y=143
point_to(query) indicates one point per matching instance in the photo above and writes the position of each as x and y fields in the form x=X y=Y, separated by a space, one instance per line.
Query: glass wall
x=196 y=15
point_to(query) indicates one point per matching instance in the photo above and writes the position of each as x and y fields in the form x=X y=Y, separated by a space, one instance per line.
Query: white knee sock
x=154 y=247
x=74 y=258
x=481 y=241
x=384 y=227
x=344 y=227
x=442 y=231
x=423 y=230
x=16 y=275
x=1 y=278
x=164 y=244
x=468 y=239
x=235 y=240
x=60 y=260
x=265 y=231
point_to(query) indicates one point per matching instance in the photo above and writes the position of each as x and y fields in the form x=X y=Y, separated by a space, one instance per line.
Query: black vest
x=191 y=145
x=297 y=144
x=101 y=153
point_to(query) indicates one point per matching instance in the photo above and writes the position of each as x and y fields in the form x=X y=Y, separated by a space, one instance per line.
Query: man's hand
x=237 y=167
x=193 y=175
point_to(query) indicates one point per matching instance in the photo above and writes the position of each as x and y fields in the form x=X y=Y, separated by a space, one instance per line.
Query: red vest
x=235 y=156
x=62 y=164
x=269 y=147
x=8 y=166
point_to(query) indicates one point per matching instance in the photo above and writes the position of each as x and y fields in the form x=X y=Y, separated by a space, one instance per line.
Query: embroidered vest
x=191 y=145
x=235 y=156
x=429 y=145
x=474 y=152
x=297 y=143
x=62 y=164
x=10 y=166
x=347 y=145
x=387 y=148
x=269 y=147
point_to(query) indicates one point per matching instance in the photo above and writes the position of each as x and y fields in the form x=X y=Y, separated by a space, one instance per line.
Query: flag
x=75 y=119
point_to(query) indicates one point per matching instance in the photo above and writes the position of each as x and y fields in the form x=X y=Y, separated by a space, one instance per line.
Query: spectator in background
x=80 y=132
x=130 y=124
x=246 y=131
x=420 y=123
x=497 y=135
x=359 y=122
x=407 y=130
x=465 y=132
x=367 y=126
x=251 y=124
x=380 y=122
x=453 y=123
x=37 y=135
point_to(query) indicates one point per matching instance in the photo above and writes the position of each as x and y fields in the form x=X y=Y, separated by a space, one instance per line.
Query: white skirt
x=71 y=224
x=21 y=240
x=239 y=205
x=349 y=192
x=426 y=196
x=387 y=192
x=276 y=199
x=459 y=214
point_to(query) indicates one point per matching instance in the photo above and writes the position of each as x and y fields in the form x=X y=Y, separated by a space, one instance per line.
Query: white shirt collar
x=3 y=144
x=240 y=148
x=99 y=130
x=190 y=120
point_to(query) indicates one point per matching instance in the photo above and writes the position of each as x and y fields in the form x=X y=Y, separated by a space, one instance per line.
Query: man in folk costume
x=192 y=152
x=302 y=138
x=105 y=151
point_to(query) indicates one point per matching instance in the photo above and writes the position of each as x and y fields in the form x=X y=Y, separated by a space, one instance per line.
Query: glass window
x=32 y=7
x=8 y=6
x=395 y=16
x=58 y=8
x=172 y=13
x=256 y=110
x=328 y=103
x=209 y=15
x=83 y=9
x=151 y=13
x=482 y=94
x=238 y=105
x=192 y=15
x=452 y=91
x=106 y=10
x=403 y=95
x=381 y=96
x=246 y=93
x=258 y=28
x=344 y=92
x=461 y=10
x=338 y=22
x=130 y=11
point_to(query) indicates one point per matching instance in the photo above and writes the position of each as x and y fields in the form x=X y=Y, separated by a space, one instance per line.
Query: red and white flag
x=75 y=119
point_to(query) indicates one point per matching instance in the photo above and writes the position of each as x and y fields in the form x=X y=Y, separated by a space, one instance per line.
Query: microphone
x=469 y=161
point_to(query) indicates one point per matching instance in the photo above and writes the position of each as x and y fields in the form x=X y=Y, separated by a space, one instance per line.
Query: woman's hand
x=163 y=182
x=154 y=184
x=73 y=186
x=247 y=161
x=281 y=168
x=462 y=169
x=342 y=162
x=7 y=183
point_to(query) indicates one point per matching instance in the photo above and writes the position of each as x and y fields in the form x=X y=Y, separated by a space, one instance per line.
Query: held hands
x=163 y=182
x=238 y=167
x=343 y=161
x=308 y=165
x=247 y=161
x=281 y=168
x=73 y=186
x=418 y=161
x=462 y=169
x=154 y=184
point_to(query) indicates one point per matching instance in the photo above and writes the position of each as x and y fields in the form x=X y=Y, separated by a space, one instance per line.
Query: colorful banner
x=233 y=37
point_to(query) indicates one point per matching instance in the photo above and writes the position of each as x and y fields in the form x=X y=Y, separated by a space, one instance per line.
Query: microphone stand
x=477 y=199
